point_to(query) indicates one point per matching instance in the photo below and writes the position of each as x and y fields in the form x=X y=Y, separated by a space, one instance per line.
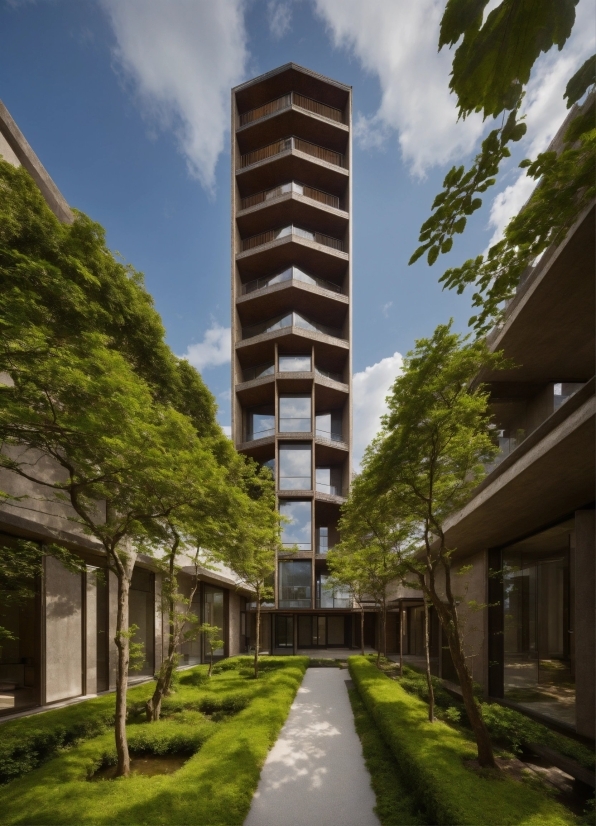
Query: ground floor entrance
x=285 y=632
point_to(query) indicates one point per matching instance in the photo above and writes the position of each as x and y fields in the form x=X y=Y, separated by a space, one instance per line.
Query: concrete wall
x=90 y=686
x=472 y=586
x=585 y=620
x=63 y=632
x=7 y=153
x=234 y=603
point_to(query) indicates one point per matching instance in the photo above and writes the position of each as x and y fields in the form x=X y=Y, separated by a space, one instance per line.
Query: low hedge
x=431 y=756
x=214 y=786
x=27 y=742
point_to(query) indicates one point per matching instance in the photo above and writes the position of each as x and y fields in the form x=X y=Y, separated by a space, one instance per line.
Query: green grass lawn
x=226 y=726
x=432 y=759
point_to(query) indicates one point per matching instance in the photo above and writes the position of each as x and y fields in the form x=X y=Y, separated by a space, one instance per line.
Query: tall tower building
x=292 y=330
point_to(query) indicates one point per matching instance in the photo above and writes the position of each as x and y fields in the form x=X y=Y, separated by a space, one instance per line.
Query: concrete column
x=233 y=623
x=584 y=621
x=91 y=632
x=63 y=632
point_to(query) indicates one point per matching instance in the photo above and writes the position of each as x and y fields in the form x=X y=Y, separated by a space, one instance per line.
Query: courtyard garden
x=199 y=764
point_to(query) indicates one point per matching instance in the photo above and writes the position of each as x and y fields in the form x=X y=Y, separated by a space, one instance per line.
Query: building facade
x=291 y=285
x=528 y=530
x=61 y=643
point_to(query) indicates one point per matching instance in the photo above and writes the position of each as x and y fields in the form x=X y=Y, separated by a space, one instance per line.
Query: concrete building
x=291 y=330
x=63 y=636
x=528 y=530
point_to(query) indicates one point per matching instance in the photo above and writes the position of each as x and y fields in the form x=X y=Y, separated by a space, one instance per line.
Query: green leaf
x=581 y=81
x=418 y=254
x=433 y=254
x=446 y=245
x=459 y=17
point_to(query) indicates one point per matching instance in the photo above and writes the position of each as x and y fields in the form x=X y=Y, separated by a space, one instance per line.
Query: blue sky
x=126 y=102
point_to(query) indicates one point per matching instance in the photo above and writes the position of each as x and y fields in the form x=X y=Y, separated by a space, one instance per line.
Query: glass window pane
x=213 y=614
x=260 y=423
x=297 y=530
x=329 y=480
x=295 y=467
x=335 y=631
x=294 y=414
x=294 y=583
x=294 y=364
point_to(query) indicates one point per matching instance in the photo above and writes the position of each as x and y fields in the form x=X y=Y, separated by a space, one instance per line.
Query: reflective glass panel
x=294 y=414
x=295 y=467
x=297 y=530
x=294 y=364
x=294 y=583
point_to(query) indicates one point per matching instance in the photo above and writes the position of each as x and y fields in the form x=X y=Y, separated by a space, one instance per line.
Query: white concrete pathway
x=315 y=772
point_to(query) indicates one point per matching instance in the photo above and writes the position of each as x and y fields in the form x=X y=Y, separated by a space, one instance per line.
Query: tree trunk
x=122 y=640
x=401 y=640
x=258 y=635
x=447 y=614
x=164 y=680
x=362 y=629
x=429 y=682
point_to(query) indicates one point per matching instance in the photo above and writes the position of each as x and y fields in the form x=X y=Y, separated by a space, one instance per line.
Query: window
x=297 y=530
x=260 y=422
x=213 y=614
x=142 y=614
x=537 y=647
x=331 y=597
x=294 y=583
x=295 y=467
x=329 y=480
x=328 y=426
x=322 y=539
x=294 y=364
x=270 y=463
x=294 y=414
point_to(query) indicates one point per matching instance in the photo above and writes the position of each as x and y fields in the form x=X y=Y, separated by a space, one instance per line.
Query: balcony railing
x=291 y=274
x=289 y=320
x=285 y=102
x=258 y=372
x=330 y=435
x=329 y=375
x=327 y=155
x=283 y=232
x=299 y=189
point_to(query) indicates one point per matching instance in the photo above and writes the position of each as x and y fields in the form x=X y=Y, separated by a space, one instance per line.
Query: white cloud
x=227 y=429
x=280 y=18
x=213 y=351
x=397 y=42
x=183 y=57
x=369 y=391
x=386 y=308
x=545 y=111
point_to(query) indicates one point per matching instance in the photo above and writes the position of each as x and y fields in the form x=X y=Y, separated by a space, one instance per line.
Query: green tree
x=347 y=571
x=256 y=541
x=212 y=638
x=491 y=67
x=118 y=456
x=430 y=455
x=375 y=543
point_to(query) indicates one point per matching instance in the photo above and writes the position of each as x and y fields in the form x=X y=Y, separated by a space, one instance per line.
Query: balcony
x=290 y=320
x=328 y=480
x=285 y=102
x=291 y=274
x=258 y=372
x=328 y=374
x=294 y=187
x=287 y=144
x=283 y=232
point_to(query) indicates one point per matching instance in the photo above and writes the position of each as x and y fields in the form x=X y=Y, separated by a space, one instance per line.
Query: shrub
x=432 y=758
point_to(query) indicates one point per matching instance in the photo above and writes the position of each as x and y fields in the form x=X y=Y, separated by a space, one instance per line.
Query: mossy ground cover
x=508 y=728
x=225 y=725
x=436 y=761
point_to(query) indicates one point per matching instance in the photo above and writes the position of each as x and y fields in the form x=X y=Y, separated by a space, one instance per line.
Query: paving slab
x=315 y=772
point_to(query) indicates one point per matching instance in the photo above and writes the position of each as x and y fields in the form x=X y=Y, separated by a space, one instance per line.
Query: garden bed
x=432 y=758
x=223 y=728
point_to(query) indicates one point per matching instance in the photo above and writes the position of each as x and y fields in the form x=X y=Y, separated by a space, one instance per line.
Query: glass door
x=284 y=631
